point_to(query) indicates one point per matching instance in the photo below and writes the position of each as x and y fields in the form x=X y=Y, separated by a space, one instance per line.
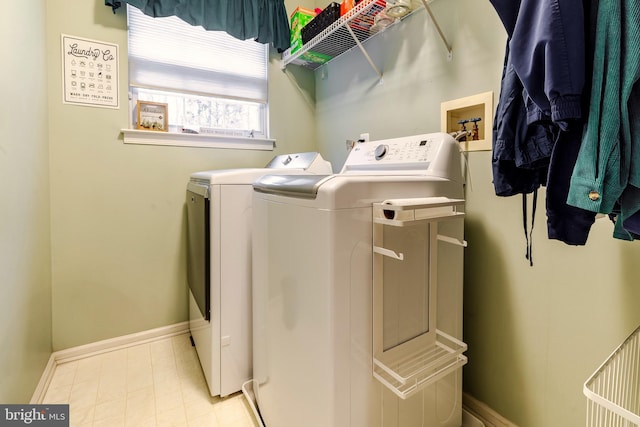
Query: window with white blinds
x=213 y=83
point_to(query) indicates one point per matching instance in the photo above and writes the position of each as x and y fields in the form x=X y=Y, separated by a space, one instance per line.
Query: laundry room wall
x=117 y=210
x=25 y=274
x=535 y=334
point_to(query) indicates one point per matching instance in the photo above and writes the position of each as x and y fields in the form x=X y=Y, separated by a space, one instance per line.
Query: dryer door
x=198 y=250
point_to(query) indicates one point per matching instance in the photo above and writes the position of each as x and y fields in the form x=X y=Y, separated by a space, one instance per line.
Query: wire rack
x=349 y=31
x=613 y=391
x=414 y=372
x=340 y=36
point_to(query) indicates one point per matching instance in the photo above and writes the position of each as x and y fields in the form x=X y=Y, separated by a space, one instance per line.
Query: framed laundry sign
x=89 y=72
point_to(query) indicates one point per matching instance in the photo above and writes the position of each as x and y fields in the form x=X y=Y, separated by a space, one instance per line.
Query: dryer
x=219 y=265
x=313 y=288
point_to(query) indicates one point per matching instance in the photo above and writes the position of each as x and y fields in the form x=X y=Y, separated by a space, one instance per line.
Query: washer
x=219 y=266
x=313 y=280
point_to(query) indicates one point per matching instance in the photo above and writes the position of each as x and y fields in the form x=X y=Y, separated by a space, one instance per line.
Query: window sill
x=145 y=137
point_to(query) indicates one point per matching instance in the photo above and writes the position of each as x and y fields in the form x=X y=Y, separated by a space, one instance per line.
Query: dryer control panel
x=310 y=161
x=417 y=154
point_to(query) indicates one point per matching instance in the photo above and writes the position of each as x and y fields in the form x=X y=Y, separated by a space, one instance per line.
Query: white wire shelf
x=414 y=372
x=613 y=391
x=349 y=31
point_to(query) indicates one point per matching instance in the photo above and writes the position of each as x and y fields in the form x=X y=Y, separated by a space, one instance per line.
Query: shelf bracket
x=389 y=253
x=364 y=52
x=444 y=39
x=452 y=240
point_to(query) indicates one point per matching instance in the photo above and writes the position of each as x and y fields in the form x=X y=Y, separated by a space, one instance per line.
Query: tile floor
x=155 y=384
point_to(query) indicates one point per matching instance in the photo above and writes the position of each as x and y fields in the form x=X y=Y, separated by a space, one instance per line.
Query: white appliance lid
x=303 y=186
x=295 y=163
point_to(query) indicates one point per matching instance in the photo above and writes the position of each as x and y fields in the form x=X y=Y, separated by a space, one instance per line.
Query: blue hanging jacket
x=546 y=40
x=540 y=104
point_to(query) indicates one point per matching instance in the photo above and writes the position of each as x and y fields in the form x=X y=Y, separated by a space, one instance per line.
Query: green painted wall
x=117 y=211
x=25 y=274
x=110 y=216
x=535 y=334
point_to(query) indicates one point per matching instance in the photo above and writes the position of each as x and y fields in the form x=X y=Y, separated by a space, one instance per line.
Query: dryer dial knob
x=381 y=151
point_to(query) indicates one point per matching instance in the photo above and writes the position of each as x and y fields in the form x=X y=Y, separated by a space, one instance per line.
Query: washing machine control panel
x=407 y=153
x=381 y=151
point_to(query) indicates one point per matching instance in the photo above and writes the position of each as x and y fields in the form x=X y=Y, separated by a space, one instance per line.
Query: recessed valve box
x=470 y=119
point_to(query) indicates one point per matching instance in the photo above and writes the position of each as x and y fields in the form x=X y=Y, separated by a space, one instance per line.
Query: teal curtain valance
x=265 y=21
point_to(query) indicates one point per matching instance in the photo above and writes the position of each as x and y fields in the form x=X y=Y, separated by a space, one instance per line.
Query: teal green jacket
x=606 y=177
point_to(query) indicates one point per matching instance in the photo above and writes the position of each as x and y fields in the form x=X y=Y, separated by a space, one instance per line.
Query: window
x=213 y=83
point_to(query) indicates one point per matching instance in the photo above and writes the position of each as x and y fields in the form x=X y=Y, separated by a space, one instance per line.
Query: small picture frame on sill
x=153 y=116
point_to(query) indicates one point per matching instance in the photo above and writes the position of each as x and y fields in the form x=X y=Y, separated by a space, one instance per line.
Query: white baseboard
x=80 y=352
x=487 y=415
x=45 y=380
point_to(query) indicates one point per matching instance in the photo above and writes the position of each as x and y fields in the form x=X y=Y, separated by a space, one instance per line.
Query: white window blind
x=170 y=55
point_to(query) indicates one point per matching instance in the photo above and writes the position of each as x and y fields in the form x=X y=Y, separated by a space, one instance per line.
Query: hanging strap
x=528 y=235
